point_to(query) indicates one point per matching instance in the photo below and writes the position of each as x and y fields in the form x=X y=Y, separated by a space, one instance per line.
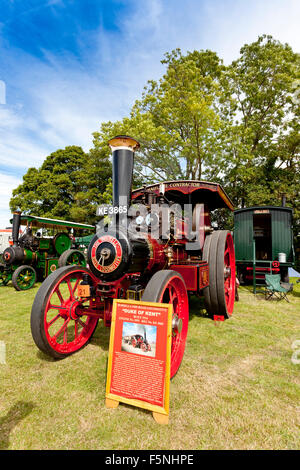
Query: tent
x=293 y=273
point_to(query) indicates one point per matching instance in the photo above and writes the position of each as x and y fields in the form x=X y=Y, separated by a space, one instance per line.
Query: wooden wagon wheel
x=218 y=251
x=168 y=286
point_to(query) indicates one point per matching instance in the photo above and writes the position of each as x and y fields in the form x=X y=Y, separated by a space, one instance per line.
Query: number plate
x=83 y=290
x=105 y=210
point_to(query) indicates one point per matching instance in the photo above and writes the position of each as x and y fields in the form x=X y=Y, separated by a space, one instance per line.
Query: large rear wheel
x=169 y=287
x=61 y=322
x=218 y=251
x=71 y=257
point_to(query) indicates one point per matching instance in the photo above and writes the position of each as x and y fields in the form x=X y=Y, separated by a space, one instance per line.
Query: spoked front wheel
x=61 y=322
x=168 y=287
x=5 y=275
x=24 y=277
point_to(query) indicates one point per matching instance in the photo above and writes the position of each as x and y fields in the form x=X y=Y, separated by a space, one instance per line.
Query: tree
x=68 y=186
x=263 y=139
x=177 y=120
x=236 y=125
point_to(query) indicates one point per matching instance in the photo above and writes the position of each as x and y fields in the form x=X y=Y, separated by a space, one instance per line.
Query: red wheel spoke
x=61 y=329
x=57 y=306
x=81 y=323
x=53 y=320
x=59 y=294
x=70 y=288
x=172 y=294
x=169 y=294
x=65 y=335
x=76 y=284
x=75 y=329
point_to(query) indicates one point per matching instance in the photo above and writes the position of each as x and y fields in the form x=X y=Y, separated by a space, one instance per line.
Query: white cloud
x=2 y=92
x=71 y=110
x=9 y=119
x=233 y=24
x=17 y=148
x=7 y=184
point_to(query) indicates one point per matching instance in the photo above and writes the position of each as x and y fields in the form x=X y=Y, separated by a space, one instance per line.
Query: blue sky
x=68 y=65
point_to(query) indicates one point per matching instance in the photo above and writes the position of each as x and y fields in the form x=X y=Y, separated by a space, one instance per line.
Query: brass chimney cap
x=123 y=141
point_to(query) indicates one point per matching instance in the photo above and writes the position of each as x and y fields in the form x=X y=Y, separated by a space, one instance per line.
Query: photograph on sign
x=139 y=339
x=139 y=355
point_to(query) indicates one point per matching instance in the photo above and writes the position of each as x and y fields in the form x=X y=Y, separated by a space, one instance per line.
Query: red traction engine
x=158 y=247
x=138 y=341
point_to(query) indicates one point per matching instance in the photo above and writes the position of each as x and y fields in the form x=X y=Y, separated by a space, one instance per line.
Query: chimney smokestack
x=123 y=148
x=16 y=226
x=283 y=200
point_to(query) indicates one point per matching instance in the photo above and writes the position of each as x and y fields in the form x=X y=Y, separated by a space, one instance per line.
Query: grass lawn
x=237 y=387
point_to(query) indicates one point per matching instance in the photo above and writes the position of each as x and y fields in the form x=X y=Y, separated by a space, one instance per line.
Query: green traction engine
x=33 y=257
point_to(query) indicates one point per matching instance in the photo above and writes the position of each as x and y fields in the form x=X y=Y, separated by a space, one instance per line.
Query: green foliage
x=237 y=124
x=263 y=152
x=177 y=120
x=263 y=137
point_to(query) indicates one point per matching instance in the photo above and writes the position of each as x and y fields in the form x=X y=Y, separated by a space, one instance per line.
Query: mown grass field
x=237 y=387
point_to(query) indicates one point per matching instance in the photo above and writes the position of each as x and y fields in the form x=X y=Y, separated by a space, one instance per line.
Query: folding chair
x=274 y=288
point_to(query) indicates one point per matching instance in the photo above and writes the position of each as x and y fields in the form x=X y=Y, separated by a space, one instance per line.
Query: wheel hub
x=176 y=325
x=227 y=272
x=72 y=310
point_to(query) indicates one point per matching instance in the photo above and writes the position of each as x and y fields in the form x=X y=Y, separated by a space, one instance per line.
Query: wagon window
x=262 y=231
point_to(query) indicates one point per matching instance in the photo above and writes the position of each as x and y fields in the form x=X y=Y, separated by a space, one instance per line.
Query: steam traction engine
x=138 y=341
x=32 y=256
x=159 y=247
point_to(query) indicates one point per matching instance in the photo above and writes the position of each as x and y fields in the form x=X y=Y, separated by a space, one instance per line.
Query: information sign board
x=139 y=356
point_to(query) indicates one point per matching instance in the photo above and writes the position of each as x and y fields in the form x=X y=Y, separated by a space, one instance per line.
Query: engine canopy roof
x=52 y=223
x=189 y=191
